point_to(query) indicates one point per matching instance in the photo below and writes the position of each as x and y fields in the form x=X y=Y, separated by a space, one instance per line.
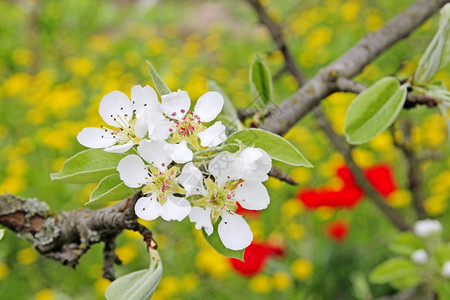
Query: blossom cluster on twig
x=180 y=163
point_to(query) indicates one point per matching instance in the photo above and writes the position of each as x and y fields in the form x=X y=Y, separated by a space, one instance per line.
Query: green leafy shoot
x=160 y=86
x=261 y=81
x=437 y=54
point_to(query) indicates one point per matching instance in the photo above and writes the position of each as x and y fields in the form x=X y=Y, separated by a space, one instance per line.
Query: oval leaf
x=88 y=166
x=110 y=188
x=139 y=285
x=261 y=81
x=374 y=110
x=160 y=86
x=405 y=244
x=277 y=147
x=442 y=254
x=398 y=271
x=215 y=242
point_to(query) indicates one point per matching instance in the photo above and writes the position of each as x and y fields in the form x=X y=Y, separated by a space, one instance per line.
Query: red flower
x=255 y=257
x=350 y=194
x=344 y=198
x=337 y=230
x=381 y=178
x=247 y=212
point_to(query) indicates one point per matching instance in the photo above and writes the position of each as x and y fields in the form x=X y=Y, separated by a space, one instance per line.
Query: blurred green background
x=57 y=60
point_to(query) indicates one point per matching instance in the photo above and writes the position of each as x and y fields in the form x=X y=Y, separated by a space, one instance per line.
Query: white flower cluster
x=168 y=136
x=424 y=228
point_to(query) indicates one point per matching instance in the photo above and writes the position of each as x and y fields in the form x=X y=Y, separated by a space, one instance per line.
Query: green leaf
x=215 y=242
x=361 y=288
x=437 y=54
x=374 y=110
x=111 y=188
x=398 y=271
x=261 y=81
x=443 y=290
x=442 y=254
x=139 y=285
x=160 y=86
x=277 y=147
x=88 y=166
x=229 y=110
x=405 y=244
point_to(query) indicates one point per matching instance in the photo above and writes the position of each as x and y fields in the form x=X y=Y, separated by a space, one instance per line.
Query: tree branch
x=351 y=63
x=66 y=236
x=323 y=121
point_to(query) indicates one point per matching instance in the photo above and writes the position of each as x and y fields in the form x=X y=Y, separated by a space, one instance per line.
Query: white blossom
x=424 y=228
x=217 y=199
x=131 y=121
x=188 y=124
x=419 y=257
x=158 y=184
x=446 y=269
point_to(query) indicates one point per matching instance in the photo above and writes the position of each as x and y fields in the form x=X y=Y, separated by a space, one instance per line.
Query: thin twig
x=279 y=174
x=341 y=146
x=277 y=35
x=110 y=258
x=414 y=172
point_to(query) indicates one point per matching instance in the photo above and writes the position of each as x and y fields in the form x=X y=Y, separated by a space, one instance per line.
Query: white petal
x=141 y=126
x=191 y=179
x=252 y=195
x=175 y=208
x=176 y=104
x=446 y=269
x=208 y=106
x=145 y=98
x=202 y=218
x=159 y=127
x=92 y=137
x=180 y=152
x=133 y=171
x=120 y=148
x=213 y=135
x=147 y=208
x=234 y=232
x=224 y=167
x=113 y=105
x=153 y=152
x=256 y=164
